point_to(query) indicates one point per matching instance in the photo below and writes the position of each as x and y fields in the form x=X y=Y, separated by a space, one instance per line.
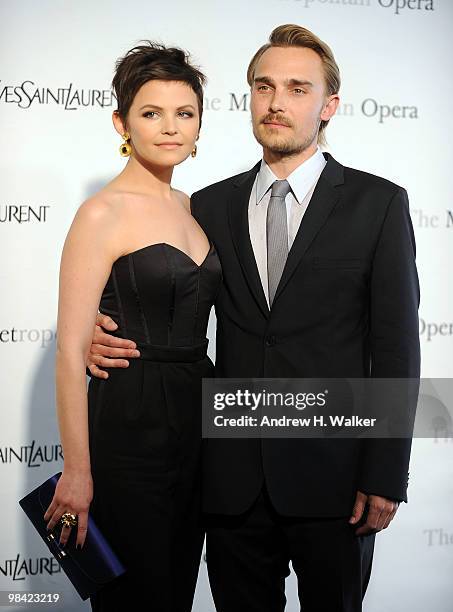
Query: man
x=319 y=281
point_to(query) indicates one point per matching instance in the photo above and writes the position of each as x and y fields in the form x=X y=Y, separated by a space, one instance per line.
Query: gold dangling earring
x=194 y=151
x=125 y=148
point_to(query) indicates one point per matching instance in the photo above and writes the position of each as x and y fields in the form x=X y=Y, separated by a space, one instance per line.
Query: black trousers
x=248 y=560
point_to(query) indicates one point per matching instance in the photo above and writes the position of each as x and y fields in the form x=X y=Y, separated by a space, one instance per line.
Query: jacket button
x=270 y=341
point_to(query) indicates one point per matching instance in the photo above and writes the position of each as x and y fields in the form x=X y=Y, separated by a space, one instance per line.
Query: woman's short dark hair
x=149 y=62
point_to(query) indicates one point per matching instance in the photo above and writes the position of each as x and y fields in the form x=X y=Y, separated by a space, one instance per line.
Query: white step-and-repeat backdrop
x=59 y=146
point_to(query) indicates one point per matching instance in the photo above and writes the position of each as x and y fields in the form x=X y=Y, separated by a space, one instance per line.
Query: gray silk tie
x=277 y=235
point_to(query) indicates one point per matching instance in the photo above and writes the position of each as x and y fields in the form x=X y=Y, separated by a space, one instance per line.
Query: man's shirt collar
x=301 y=179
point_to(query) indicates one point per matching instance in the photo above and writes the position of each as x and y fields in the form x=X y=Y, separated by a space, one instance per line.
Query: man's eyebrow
x=288 y=82
x=298 y=82
x=264 y=79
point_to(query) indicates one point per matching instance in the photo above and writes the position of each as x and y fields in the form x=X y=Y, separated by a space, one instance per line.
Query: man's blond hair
x=291 y=35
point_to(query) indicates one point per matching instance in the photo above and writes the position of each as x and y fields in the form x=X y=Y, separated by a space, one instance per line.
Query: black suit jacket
x=346 y=306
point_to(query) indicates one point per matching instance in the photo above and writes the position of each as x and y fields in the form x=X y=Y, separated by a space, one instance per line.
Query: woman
x=132 y=448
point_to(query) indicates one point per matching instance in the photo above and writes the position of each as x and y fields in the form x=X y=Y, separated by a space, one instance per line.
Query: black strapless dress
x=145 y=428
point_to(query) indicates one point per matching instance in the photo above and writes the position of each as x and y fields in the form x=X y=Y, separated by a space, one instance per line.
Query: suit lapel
x=239 y=227
x=323 y=201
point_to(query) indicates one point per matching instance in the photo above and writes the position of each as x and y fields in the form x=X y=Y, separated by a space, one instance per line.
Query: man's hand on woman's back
x=108 y=351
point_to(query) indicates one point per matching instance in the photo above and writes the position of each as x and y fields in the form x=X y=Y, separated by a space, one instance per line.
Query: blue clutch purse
x=89 y=568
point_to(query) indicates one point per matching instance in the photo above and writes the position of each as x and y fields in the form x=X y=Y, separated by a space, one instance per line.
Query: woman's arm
x=86 y=262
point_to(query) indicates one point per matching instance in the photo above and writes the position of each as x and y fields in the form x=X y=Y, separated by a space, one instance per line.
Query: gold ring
x=68 y=519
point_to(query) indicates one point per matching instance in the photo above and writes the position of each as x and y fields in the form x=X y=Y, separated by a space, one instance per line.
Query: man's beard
x=285 y=147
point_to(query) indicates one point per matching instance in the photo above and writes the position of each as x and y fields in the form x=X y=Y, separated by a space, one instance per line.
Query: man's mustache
x=277 y=119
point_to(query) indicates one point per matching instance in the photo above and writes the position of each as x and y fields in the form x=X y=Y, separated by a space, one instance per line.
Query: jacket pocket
x=326 y=263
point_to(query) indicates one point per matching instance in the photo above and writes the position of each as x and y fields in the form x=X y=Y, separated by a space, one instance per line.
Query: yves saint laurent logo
x=23 y=213
x=28 y=93
x=21 y=568
x=32 y=455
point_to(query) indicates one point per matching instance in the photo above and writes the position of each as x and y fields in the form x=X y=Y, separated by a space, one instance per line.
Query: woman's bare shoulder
x=184 y=198
x=102 y=207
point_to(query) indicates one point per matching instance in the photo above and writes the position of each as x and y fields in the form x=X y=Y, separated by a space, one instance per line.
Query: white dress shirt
x=302 y=181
